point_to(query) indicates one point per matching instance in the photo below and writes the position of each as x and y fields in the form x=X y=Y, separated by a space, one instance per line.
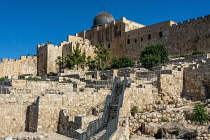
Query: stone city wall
x=188 y=36
x=16 y=67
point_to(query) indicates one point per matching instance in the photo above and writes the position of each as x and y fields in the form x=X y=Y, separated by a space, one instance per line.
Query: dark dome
x=102 y=18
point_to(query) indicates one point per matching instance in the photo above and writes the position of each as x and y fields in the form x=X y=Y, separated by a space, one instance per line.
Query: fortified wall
x=125 y=37
x=48 y=53
x=15 y=67
x=180 y=38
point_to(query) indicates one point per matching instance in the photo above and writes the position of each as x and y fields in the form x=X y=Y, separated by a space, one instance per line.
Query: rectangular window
x=142 y=39
x=149 y=36
x=160 y=34
x=135 y=40
x=128 y=41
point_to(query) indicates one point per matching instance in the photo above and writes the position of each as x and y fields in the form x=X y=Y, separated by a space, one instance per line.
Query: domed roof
x=102 y=18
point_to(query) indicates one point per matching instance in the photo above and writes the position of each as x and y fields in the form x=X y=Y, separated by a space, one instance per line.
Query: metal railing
x=4 y=90
x=93 y=128
x=113 y=124
x=96 y=126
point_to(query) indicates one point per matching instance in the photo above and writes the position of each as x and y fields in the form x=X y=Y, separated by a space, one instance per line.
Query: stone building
x=122 y=37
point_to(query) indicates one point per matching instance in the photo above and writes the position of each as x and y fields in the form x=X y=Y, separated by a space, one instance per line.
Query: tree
x=91 y=63
x=76 y=58
x=82 y=60
x=102 y=57
x=77 y=55
x=59 y=62
x=153 y=55
x=121 y=62
x=200 y=115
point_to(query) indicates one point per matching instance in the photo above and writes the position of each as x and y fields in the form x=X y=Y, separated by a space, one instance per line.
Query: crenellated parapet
x=192 y=22
x=16 y=67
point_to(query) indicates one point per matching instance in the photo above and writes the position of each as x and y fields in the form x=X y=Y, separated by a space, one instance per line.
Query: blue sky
x=25 y=23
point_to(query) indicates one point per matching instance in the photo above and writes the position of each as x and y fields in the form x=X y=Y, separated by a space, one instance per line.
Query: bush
x=183 y=55
x=153 y=55
x=164 y=120
x=134 y=110
x=121 y=62
x=3 y=79
x=52 y=74
x=65 y=81
x=198 y=52
x=35 y=79
x=200 y=115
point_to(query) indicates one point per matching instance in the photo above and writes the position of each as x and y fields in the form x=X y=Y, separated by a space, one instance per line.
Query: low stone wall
x=13 y=110
x=167 y=115
x=68 y=124
x=138 y=96
x=171 y=84
x=45 y=84
x=77 y=104
x=197 y=82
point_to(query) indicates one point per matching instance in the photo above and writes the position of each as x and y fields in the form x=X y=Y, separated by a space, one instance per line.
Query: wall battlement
x=6 y=60
x=192 y=22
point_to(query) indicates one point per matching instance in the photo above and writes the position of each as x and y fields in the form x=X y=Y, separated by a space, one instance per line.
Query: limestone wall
x=44 y=84
x=138 y=96
x=47 y=54
x=68 y=124
x=171 y=84
x=16 y=67
x=13 y=112
x=77 y=104
x=197 y=82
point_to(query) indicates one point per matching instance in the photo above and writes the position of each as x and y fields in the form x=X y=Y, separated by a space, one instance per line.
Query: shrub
x=65 y=81
x=200 y=115
x=198 y=52
x=134 y=110
x=3 y=79
x=183 y=55
x=164 y=120
x=153 y=55
x=35 y=79
x=121 y=62
x=52 y=74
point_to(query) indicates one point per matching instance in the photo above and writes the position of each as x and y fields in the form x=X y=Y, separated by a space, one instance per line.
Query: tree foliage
x=200 y=115
x=91 y=63
x=121 y=62
x=102 y=57
x=59 y=62
x=3 y=79
x=77 y=58
x=198 y=52
x=153 y=55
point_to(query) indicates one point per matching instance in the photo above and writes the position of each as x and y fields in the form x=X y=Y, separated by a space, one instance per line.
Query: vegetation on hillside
x=59 y=61
x=198 y=52
x=3 y=79
x=200 y=115
x=153 y=55
x=121 y=62
x=102 y=57
x=35 y=79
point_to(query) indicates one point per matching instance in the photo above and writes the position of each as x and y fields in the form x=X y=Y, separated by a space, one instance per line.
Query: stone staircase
x=104 y=127
x=113 y=107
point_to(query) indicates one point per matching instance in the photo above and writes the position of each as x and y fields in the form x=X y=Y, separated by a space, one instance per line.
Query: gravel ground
x=34 y=136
